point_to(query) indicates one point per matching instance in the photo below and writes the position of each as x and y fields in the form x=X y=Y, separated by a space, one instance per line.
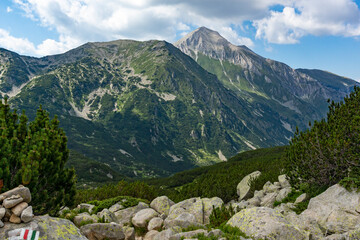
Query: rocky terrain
x=334 y=215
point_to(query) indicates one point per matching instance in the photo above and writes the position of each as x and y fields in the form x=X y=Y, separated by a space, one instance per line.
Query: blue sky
x=321 y=34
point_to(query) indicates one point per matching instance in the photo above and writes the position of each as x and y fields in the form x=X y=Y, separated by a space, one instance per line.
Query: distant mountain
x=298 y=96
x=147 y=109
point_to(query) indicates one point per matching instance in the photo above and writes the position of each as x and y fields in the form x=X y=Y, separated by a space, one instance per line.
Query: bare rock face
x=265 y=223
x=243 y=188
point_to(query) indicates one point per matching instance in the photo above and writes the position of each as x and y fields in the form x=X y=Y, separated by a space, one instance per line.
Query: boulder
x=194 y=206
x=183 y=220
x=124 y=216
x=187 y=235
x=102 y=231
x=12 y=201
x=164 y=235
x=107 y=216
x=83 y=217
x=283 y=181
x=2 y=212
x=14 y=219
x=155 y=224
x=142 y=218
x=301 y=198
x=254 y=202
x=209 y=204
x=310 y=227
x=129 y=233
x=215 y=233
x=162 y=204
x=1 y=224
x=85 y=206
x=270 y=188
x=27 y=215
x=116 y=207
x=268 y=200
x=49 y=228
x=335 y=210
x=151 y=234
x=259 y=194
x=18 y=209
x=243 y=188
x=283 y=194
x=22 y=191
x=265 y=223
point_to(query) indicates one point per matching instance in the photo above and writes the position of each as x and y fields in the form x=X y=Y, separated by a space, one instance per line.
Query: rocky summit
x=145 y=109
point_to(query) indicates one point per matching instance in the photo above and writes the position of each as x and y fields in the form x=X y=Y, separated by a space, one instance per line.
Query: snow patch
x=221 y=155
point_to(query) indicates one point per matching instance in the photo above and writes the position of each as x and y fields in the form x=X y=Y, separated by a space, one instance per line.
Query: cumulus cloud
x=306 y=17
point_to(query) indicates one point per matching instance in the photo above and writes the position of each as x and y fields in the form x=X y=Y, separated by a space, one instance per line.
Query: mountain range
x=152 y=108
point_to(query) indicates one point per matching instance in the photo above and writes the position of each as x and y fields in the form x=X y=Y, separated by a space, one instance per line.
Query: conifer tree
x=34 y=155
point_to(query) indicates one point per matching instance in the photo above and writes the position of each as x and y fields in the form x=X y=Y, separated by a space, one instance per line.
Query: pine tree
x=34 y=155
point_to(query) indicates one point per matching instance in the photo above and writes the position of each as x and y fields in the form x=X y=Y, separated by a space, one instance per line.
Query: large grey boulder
x=243 y=188
x=184 y=220
x=284 y=181
x=335 y=209
x=193 y=206
x=268 y=200
x=209 y=204
x=107 y=216
x=162 y=205
x=265 y=223
x=164 y=235
x=143 y=217
x=102 y=231
x=123 y=217
x=116 y=207
x=155 y=224
x=271 y=188
x=22 y=191
x=86 y=206
x=83 y=217
x=49 y=228
x=150 y=235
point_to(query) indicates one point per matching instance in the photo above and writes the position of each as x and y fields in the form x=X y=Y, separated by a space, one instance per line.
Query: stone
x=283 y=194
x=301 y=198
x=254 y=202
x=209 y=204
x=116 y=207
x=334 y=210
x=107 y=216
x=27 y=215
x=193 y=206
x=12 y=201
x=150 y=235
x=284 y=181
x=164 y=235
x=142 y=218
x=187 y=235
x=102 y=231
x=162 y=205
x=277 y=184
x=83 y=217
x=129 y=233
x=85 y=206
x=243 y=188
x=259 y=194
x=1 y=224
x=184 y=220
x=123 y=217
x=155 y=224
x=63 y=210
x=14 y=219
x=22 y=191
x=239 y=206
x=215 y=233
x=268 y=200
x=2 y=212
x=310 y=227
x=18 y=209
x=270 y=188
x=265 y=223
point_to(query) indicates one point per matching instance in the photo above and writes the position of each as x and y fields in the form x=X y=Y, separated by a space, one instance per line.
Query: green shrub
x=330 y=150
x=107 y=203
x=220 y=215
x=34 y=154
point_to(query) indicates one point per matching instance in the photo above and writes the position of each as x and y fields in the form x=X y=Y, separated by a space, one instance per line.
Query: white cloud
x=307 y=17
x=9 y=9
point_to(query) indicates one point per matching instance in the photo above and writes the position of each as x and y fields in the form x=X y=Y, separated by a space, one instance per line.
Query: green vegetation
x=34 y=154
x=330 y=150
x=126 y=202
x=221 y=215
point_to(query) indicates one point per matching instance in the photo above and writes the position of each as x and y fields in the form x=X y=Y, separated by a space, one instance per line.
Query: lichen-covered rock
x=107 y=216
x=142 y=218
x=187 y=235
x=162 y=205
x=49 y=228
x=18 y=209
x=123 y=217
x=27 y=215
x=184 y=220
x=164 y=235
x=155 y=224
x=335 y=209
x=243 y=188
x=283 y=194
x=116 y=207
x=129 y=233
x=86 y=206
x=22 y=191
x=150 y=235
x=193 y=206
x=270 y=188
x=254 y=202
x=83 y=217
x=268 y=200
x=12 y=201
x=101 y=231
x=301 y=198
x=209 y=204
x=283 y=181
x=265 y=223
